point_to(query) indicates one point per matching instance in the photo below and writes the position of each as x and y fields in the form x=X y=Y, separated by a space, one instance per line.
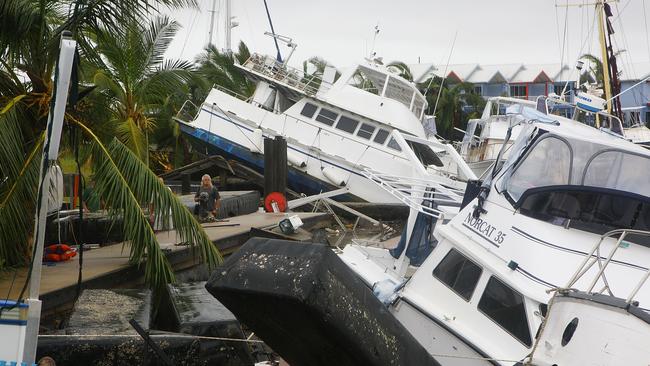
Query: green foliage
x=457 y=104
x=218 y=68
x=136 y=80
x=125 y=87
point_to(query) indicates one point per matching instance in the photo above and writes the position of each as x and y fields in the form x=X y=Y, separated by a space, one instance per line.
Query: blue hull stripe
x=297 y=180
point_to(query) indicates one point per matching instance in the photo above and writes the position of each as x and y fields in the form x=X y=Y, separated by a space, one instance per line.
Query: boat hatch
x=581 y=184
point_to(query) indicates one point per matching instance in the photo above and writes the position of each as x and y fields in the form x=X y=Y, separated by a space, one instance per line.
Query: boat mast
x=214 y=12
x=229 y=26
x=600 y=9
x=611 y=83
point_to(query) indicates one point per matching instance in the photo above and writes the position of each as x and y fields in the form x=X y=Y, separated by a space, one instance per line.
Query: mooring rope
x=159 y=334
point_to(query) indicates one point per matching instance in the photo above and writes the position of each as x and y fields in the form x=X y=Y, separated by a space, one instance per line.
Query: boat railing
x=594 y=257
x=417 y=193
x=269 y=67
x=188 y=112
x=231 y=93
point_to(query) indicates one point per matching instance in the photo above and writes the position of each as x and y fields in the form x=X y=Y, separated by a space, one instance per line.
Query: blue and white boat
x=368 y=118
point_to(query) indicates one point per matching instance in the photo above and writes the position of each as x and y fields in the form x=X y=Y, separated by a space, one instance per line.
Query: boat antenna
x=277 y=47
x=451 y=51
x=374 y=39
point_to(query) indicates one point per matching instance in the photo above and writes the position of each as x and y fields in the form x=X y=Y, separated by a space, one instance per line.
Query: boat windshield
x=375 y=81
x=559 y=178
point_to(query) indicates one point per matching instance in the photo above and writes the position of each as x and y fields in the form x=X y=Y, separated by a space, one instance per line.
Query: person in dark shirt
x=208 y=199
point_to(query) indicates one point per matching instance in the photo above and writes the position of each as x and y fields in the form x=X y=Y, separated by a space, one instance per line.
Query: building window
x=518 y=91
x=308 y=110
x=458 y=273
x=394 y=145
x=365 y=131
x=326 y=116
x=347 y=124
x=381 y=136
x=478 y=89
x=506 y=307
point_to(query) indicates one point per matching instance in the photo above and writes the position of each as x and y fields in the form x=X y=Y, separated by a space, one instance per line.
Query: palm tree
x=27 y=59
x=456 y=105
x=218 y=68
x=136 y=80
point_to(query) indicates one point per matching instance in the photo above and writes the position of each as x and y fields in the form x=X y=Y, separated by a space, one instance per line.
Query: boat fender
x=334 y=175
x=258 y=141
x=296 y=159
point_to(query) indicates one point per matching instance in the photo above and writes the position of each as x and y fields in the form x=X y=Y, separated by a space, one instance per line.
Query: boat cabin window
x=394 y=145
x=549 y=163
x=347 y=124
x=366 y=131
x=618 y=170
x=459 y=273
x=381 y=136
x=326 y=116
x=505 y=307
x=582 y=184
x=308 y=110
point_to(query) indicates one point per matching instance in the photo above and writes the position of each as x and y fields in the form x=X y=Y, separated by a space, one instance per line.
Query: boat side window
x=459 y=273
x=547 y=164
x=614 y=169
x=308 y=110
x=347 y=124
x=326 y=116
x=381 y=136
x=506 y=307
x=366 y=131
x=394 y=145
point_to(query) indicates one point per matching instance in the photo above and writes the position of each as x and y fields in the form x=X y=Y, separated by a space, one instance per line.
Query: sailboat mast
x=214 y=12
x=228 y=32
x=600 y=9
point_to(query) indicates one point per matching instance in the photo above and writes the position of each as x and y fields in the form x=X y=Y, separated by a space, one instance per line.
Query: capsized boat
x=369 y=118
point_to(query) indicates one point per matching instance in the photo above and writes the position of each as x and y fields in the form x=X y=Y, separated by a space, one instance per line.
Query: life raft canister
x=58 y=253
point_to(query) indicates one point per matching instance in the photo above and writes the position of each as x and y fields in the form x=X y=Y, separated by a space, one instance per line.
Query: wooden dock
x=109 y=267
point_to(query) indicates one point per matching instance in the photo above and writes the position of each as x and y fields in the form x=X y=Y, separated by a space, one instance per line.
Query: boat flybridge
x=481 y=294
x=369 y=118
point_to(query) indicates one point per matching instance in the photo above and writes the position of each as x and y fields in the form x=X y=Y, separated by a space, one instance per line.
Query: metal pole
x=228 y=26
x=213 y=11
x=50 y=154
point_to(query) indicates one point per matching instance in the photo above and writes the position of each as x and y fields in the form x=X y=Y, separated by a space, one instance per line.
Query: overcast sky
x=488 y=32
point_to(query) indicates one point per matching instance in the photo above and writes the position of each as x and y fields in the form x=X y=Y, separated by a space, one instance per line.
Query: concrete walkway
x=111 y=262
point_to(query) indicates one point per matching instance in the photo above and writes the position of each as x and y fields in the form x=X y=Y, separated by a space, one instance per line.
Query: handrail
x=231 y=93
x=279 y=72
x=413 y=191
x=594 y=257
x=179 y=116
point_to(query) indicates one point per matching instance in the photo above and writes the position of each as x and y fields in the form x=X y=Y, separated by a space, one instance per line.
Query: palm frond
x=123 y=180
x=133 y=137
x=18 y=184
x=157 y=39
